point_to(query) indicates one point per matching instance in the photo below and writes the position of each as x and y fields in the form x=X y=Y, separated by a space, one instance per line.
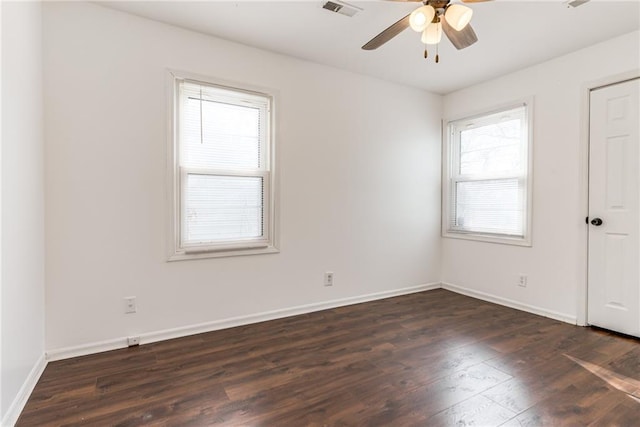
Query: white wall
x=22 y=278
x=555 y=263
x=359 y=163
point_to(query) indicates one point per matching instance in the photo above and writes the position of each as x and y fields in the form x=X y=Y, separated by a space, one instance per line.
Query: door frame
x=585 y=110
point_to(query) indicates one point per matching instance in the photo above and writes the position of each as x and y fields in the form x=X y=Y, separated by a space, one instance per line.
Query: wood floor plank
x=430 y=358
x=477 y=410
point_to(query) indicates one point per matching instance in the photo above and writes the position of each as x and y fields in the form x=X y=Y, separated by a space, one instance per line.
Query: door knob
x=596 y=221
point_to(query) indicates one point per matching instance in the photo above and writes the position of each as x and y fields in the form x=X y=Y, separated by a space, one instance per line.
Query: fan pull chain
x=425 y=52
x=438 y=45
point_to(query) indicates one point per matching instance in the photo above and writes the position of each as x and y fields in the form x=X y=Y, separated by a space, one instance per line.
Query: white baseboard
x=16 y=407
x=149 y=337
x=510 y=303
x=155 y=336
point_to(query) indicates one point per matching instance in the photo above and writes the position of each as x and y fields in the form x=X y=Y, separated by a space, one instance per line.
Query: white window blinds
x=488 y=173
x=224 y=165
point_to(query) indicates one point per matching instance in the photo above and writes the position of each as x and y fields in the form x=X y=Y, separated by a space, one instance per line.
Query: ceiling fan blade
x=460 y=39
x=387 y=34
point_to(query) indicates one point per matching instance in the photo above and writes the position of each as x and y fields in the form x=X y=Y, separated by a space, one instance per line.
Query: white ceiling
x=512 y=34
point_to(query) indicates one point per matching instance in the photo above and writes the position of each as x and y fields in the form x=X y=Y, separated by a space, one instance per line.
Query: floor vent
x=341 y=7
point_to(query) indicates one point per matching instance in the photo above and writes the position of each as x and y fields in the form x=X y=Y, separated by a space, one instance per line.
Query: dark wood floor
x=432 y=358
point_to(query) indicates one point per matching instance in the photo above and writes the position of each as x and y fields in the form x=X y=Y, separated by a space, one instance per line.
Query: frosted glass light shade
x=458 y=16
x=432 y=34
x=421 y=18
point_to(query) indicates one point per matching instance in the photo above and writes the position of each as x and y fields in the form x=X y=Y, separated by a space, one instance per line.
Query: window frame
x=176 y=177
x=450 y=159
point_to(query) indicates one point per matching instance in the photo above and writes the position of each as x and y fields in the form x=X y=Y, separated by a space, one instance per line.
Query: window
x=222 y=181
x=487 y=193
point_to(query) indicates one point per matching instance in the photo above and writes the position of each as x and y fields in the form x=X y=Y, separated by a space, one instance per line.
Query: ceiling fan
x=432 y=19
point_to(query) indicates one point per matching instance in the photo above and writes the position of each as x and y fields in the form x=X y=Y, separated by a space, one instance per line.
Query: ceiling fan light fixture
x=458 y=16
x=432 y=34
x=421 y=18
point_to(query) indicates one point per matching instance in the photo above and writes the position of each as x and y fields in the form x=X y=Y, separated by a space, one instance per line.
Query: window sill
x=222 y=253
x=513 y=241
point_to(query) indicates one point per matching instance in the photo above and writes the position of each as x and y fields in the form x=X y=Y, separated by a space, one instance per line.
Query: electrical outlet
x=522 y=281
x=129 y=305
x=133 y=341
x=328 y=278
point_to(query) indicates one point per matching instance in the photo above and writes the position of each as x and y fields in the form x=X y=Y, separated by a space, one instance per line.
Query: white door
x=614 y=208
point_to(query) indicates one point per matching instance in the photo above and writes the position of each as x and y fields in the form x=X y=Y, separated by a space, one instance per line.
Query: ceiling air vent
x=341 y=7
x=575 y=3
